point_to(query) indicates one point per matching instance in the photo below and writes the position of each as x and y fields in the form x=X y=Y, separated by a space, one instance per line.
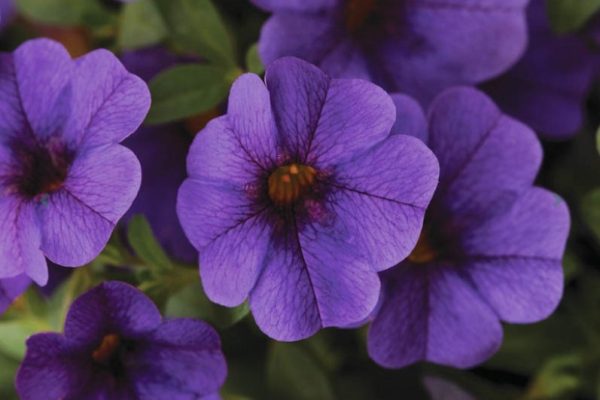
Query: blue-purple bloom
x=116 y=346
x=491 y=246
x=417 y=47
x=64 y=179
x=297 y=198
x=547 y=89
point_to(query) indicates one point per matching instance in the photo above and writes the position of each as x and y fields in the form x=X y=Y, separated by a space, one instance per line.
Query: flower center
x=423 y=251
x=288 y=183
x=107 y=350
x=40 y=168
x=358 y=12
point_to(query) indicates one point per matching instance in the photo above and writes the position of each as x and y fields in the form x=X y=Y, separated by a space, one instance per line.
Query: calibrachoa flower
x=297 y=197
x=116 y=346
x=417 y=47
x=491 y=246
x=548 y=87
x=64 y=179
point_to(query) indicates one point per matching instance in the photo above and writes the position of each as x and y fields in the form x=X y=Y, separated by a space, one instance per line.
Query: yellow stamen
x=107 y=348
x=288 y=183
x=423 y=251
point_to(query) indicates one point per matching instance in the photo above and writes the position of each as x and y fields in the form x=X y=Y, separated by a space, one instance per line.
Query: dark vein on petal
x=363 y=193
x=452 y=179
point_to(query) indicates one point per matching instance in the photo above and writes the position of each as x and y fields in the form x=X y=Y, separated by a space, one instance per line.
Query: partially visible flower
x=11 y=288
x=162 y=151
x=417 y=47
x=64 y=179
x=116 y=346
x=491 y=246
x=297 y=197
x=7 y=12
x=547 y=89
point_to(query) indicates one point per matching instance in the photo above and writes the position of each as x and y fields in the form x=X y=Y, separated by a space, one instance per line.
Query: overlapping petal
x=181 y=359
x=515 y=260
x=77 y=220
x=112 y=307
x=431 y=313
x=48 y=371
x=109 y=107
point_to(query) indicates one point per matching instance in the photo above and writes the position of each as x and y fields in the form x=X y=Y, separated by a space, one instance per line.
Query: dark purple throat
x=39 y=168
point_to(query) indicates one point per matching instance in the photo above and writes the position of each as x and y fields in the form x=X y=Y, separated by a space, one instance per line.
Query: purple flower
x=547 y=89
x=7 y=12
x=297 y=197
x=418 y=47
x=116 y=346
x=64 y=179
x=491 y=245
x=161 y=151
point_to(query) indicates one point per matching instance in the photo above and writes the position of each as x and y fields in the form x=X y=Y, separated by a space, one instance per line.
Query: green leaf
x=191 y=302
x=80 y=280
x=141 y=25
x=13 y=335
x=196 y=26
x=253 y=62
x=144 y=243
x=186 y=90
x=294 y=375
x=558 y=378
x=63 y=12
x=590 y=210
x=570 y=15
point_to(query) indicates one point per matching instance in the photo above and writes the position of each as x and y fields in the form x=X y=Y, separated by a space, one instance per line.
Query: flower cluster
x=322 y=195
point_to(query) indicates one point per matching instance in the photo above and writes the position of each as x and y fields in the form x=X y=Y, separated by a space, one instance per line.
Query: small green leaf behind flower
x=186 y=90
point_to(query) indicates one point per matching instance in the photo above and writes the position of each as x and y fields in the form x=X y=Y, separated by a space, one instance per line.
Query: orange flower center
x=105 y=352
x=423 y=251
x=288 y=183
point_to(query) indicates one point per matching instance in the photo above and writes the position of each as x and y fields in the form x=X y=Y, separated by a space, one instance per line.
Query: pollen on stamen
x=423 y=251
x=290 y=182
x=107 y=348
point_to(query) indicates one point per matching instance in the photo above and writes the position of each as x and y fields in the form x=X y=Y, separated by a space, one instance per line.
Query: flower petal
x=12 y=117
x=410 y=118
x=486 y=159
x=11 y=288
x=430 y=313
x=515 y=259
x=232 y=243
x=449 y=43
x=20 y=241
x=324 y=128
x=48 y=371
x=108 y=104
x=111 y=307
x=78 y=219
x=548 y=87
x=182 y=358
x=279 y=37
x=312 y=279
x=43 y=68
x=381 y=198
